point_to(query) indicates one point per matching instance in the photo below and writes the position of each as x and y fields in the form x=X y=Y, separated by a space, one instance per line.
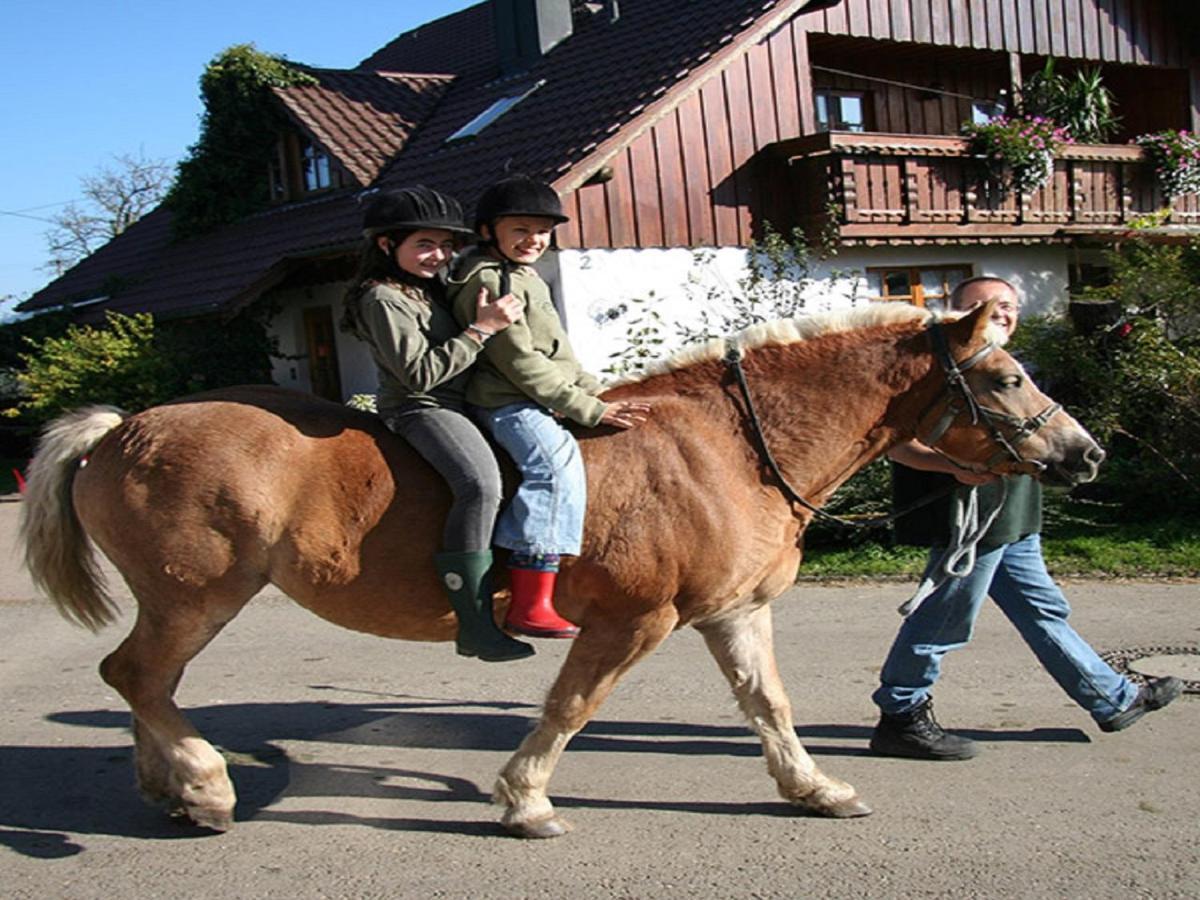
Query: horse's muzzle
x=1077 y=467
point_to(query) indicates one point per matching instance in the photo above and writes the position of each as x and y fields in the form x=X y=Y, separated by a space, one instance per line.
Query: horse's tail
x=57 y=550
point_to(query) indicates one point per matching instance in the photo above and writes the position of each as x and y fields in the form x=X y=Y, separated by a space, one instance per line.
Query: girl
x=527 y=378
x=397 y=304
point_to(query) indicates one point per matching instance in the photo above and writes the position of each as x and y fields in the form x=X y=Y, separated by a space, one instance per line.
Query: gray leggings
x=452 y=444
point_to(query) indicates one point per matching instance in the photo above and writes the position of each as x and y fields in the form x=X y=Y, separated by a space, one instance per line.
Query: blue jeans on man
x=1016 y=578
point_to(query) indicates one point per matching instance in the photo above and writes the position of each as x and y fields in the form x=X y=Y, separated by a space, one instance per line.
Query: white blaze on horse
x=202 y=502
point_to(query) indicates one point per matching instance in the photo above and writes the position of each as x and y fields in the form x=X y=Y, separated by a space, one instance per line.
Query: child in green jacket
x=526 y=380
x=397 y=305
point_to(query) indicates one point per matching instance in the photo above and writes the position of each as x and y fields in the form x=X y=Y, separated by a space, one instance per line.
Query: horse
x=201 y=502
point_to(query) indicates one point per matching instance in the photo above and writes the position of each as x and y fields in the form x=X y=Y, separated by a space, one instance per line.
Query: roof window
x=492 y=113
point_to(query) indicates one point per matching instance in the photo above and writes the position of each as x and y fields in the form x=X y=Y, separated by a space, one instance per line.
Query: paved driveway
x=363 y=767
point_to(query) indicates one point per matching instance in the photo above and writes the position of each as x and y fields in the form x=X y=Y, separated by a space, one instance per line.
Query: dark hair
x=376 y=267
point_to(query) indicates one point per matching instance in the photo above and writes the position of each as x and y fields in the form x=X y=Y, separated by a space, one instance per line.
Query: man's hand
x=916 y=455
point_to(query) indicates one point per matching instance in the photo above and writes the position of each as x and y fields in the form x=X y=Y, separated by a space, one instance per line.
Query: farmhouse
x=671 y=126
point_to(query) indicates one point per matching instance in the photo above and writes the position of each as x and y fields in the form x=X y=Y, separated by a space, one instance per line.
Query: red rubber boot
x=532 y=609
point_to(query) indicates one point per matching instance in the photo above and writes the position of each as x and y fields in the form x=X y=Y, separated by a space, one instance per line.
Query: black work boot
x=465 y=581
x=917 y=735
x=1154 y=694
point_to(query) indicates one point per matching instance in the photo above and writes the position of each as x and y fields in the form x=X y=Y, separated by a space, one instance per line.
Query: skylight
x=492 y=113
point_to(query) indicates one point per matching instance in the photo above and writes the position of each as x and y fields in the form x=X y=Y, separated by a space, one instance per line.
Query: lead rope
x=958 y=559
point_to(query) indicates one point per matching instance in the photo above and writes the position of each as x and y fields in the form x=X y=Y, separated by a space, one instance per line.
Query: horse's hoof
x=851 y=808
x=213 y=819
x=542 y=828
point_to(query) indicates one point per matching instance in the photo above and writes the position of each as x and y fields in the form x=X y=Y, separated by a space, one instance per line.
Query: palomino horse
x=202 y=502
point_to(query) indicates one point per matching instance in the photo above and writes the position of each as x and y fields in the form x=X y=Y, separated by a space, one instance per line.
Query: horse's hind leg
x=604 y=651
x=743 y=646
x=175 y=765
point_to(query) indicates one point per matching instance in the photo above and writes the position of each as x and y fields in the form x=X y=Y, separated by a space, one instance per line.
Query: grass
x=1083 y=547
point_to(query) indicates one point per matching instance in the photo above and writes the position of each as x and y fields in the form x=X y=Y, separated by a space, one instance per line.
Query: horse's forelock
x=789 y=331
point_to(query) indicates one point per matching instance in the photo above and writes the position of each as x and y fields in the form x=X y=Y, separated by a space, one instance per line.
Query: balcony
x=885 y=188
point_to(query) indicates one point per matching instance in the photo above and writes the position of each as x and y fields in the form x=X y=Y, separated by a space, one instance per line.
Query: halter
x=961 y=399
x=956 y=384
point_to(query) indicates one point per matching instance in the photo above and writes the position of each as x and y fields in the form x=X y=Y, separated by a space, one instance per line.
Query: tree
x=116 y=196
x=224 y=176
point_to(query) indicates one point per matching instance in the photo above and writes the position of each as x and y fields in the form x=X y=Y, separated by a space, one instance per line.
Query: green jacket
x=532 y=358
x=421 y=353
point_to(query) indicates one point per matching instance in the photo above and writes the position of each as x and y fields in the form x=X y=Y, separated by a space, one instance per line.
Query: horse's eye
x=1009 y=381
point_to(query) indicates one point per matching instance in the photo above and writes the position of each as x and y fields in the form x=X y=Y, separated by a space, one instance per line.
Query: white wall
x=597 y=289
x=600 y=287
x=355 y=367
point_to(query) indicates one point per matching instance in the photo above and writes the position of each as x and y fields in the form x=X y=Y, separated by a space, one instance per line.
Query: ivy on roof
x=224 y=176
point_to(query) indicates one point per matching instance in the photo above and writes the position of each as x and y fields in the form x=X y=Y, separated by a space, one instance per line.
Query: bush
x=134 y=363
x=1135 y=382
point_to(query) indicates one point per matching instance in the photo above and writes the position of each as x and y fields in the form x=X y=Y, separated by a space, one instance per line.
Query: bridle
x=959 y=400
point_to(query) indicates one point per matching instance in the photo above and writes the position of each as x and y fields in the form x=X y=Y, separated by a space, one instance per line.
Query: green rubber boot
x=465 y=580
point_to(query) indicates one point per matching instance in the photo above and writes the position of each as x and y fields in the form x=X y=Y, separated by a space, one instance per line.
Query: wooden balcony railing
x=882 y=187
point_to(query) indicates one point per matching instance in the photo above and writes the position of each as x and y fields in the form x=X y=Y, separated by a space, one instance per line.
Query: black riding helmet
x=412 y=208
x=518 y=195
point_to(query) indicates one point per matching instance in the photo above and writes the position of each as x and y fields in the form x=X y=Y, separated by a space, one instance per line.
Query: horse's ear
x=970 y=329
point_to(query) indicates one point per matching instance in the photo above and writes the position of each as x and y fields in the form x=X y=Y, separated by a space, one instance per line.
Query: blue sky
x=87 y=81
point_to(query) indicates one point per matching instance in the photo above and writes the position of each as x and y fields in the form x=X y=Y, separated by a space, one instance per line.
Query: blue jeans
x=546 y=515
x=1015 y=575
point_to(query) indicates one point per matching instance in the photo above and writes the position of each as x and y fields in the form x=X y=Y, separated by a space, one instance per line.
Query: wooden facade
x=703 y=169
x=930 y=189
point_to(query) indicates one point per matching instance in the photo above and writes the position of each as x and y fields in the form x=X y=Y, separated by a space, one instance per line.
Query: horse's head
x=991 y=414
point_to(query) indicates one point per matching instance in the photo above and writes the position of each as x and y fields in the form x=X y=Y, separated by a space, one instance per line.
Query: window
x=983 y=111
x=492 y=113
x=920 y=285
x=315 y=166
x=299 y=167
x=841 y=110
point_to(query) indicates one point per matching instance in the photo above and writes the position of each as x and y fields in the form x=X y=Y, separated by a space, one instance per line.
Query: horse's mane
x=790 y=331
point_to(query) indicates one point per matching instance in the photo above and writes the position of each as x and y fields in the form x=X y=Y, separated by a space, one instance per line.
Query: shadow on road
x=49 y=793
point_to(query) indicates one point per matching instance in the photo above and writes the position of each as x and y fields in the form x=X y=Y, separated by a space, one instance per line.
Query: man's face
x=1007 y=307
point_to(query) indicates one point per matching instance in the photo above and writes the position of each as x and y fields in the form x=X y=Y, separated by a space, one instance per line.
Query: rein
x=733 y=359
x=956 y=383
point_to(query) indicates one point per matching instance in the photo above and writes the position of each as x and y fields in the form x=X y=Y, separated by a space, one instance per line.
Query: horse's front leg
x=743 y=645
x=607 y=647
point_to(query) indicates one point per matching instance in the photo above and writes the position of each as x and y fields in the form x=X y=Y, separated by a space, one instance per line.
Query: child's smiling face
x=523 y=239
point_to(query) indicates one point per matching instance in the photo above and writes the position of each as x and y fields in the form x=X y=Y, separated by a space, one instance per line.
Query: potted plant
x=1080 y=103
x=1175 y=156
x=1017 y=152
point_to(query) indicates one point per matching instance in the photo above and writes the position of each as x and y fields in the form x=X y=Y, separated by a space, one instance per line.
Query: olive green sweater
x=420 y=351
x=531 y=360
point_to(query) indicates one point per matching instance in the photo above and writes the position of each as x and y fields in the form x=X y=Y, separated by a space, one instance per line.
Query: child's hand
x=495 y=315
x=625 y=413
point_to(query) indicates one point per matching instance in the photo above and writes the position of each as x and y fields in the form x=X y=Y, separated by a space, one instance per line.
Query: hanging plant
x=1018 y=153
x=1175 y=156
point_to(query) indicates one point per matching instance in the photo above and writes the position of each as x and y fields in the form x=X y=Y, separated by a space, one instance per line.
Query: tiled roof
x=596 y=82
x=362 y=118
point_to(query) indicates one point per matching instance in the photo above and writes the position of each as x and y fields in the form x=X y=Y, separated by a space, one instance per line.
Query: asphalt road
x=364 y=767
